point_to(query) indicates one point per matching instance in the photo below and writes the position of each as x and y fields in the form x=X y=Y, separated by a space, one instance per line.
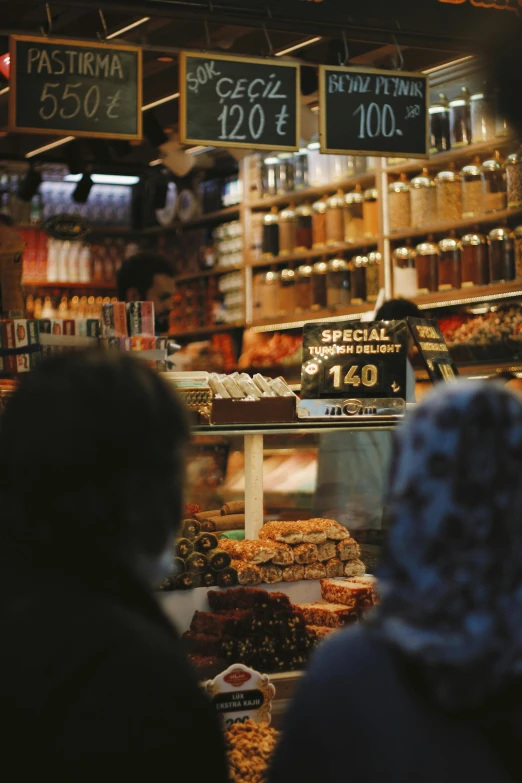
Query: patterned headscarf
x=452 y=573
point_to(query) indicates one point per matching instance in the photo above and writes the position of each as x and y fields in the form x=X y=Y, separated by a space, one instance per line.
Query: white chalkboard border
x=323 y=70
x=185 y=139
x=12 y=123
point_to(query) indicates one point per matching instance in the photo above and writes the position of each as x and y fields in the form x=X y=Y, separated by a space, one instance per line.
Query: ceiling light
x=6 y=89
x=165 y=58
x=295 y=47
x=448 y=65
x=166 y=99
x=105 y=179
x=156 y=162
x=130 y=26
x=50 y=146
x=198 y=150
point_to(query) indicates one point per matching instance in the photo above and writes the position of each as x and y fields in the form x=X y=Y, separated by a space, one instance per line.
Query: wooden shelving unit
x=441 y=159
x=214 y=272
x=205 y=331
x=92 y=286
x=309 y=194
x=221 y=215
x=458 y=225
x=347 y=313
x=470 y=295
x=316 y=252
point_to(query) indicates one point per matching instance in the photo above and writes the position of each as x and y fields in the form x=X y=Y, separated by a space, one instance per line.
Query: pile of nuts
x=249 y=749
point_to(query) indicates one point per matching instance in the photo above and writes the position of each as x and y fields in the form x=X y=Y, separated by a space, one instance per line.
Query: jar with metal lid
x=303 y=232
x=371 y=212
x=353 y=216
x=319 y=223
x=287 y=292
x=501 y=255
x=270 y=295
x=358 y=266
x=270 y=175
x=373 y=276
x=335 y=219
x=286 y=172
x=404 y=272
x=471 y=190
x=338 y=283
x=303 y=287
x=270 y=244
x=494 y=195
x=474 y=260
x=449 y=196
x=514 y=179
x=301 y=170
x=440 y=139
x=423 y=198
x=482 y=117
x=317 y=165
x=460 y=119
x=449 y=264
x=287 y=231
x=319 y=289
x=399 y=208
x=427 y=266
x=517 y=234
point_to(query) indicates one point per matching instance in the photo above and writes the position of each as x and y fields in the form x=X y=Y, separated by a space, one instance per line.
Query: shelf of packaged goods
x=308 y=194
x=352 y=313
x=438 y=160
x=317 y=252
x=474 y=294
x=457 y=225
x=480 y=370
x=214 y=272
x=203 y=331
x=92 y=286
x=228 y=213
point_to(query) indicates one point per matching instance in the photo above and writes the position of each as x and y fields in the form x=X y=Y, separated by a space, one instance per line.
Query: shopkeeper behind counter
x=148 y=277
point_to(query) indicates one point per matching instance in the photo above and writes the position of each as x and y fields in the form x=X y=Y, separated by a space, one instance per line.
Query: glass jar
x=319 y=223
x=335 y=219
x=270 y=176
x=287 y=231
x=514 y=179
x=423 y=197
x=449 y=197
x=359 y=164
x=501 y=255
x=317 y=166
x=460 y=120
x=319 y=289
x=301 y=170
x=303 y=288
x=353 y=216
x=494 y=195
x=350 y=166
x=270 y=244
x=338 y=283
x=373 y=276
x=517 y=234
x=303 y=233
x=482 y=118
x=427 y=266
x=474 y=260
x=287 y=292
x=449 y=264
x=285 y=182
x=404 y=272
x=270 y=294
x=440 y=140
x=471 y=191
x=337 y=165
x=257 y=296
x=371 y=212
x=358 y=266
x=399 y=208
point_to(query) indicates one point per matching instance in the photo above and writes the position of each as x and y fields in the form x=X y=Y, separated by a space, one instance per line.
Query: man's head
x=148 y=277
x=106 y=480
x=397 y=310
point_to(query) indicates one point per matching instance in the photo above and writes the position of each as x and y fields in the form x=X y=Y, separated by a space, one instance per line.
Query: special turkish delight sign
x=433 y=350
x=240 y=694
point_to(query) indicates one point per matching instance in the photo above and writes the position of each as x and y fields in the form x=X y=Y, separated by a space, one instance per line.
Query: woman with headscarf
x=429 y=689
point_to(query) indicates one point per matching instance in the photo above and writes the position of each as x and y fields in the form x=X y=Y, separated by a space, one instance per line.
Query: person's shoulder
x=353 y=650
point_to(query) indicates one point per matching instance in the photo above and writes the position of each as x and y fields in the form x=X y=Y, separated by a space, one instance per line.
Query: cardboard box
x=141 y=319
x=114 y=320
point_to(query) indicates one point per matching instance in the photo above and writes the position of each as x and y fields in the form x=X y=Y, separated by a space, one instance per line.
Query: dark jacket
x=361 y=716
x=94 y=679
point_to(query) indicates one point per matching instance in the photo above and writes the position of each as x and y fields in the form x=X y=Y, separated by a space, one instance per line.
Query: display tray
x=270 y=410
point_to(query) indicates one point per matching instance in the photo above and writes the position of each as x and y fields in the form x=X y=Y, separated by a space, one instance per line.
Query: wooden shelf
x=200 y=220
x=441 y=159
x=207 y=330
x=328 y=315
x=92 y=286
x=457 y=225
x=297 y=196
x=473 y=294
x=316 y=252
x=221 y=270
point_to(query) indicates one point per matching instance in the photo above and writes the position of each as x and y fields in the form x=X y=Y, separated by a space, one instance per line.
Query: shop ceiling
x=428 y=32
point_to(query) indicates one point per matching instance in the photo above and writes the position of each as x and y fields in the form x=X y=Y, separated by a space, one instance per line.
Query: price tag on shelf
x=62 y=86
x=433 y=350
x=240 y=693
x=233 y=101
x=373 y=112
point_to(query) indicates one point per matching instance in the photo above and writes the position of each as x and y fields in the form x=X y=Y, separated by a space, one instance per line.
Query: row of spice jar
x=333 y=284
x=467 y=119
x=478 y=189
x=328 y=222
x=453 y=263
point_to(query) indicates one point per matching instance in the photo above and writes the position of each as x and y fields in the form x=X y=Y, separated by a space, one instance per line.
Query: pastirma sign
x=239 y=102
x=346 y=360
x=239 y=694
x=433 y=350
x=62 y=86
x=373 y=112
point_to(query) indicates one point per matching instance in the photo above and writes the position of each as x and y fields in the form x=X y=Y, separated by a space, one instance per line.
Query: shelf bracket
x=253 y=485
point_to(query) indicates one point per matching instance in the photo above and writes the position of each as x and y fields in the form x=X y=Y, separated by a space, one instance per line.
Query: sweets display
x=250 y=747
x=353 y=594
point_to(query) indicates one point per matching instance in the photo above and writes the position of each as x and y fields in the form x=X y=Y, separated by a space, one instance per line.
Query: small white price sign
x=239 y=694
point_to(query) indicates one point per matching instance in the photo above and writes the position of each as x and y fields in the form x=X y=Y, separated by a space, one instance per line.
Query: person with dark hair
x=93 y=674
x=429 y=687
x=396 y=310
x=148 y=277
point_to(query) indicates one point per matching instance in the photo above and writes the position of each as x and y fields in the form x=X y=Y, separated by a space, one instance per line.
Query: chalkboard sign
x=373 y=112
x=433 y=350
x=74 y=87
x=357 y=361
x=239 y=102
